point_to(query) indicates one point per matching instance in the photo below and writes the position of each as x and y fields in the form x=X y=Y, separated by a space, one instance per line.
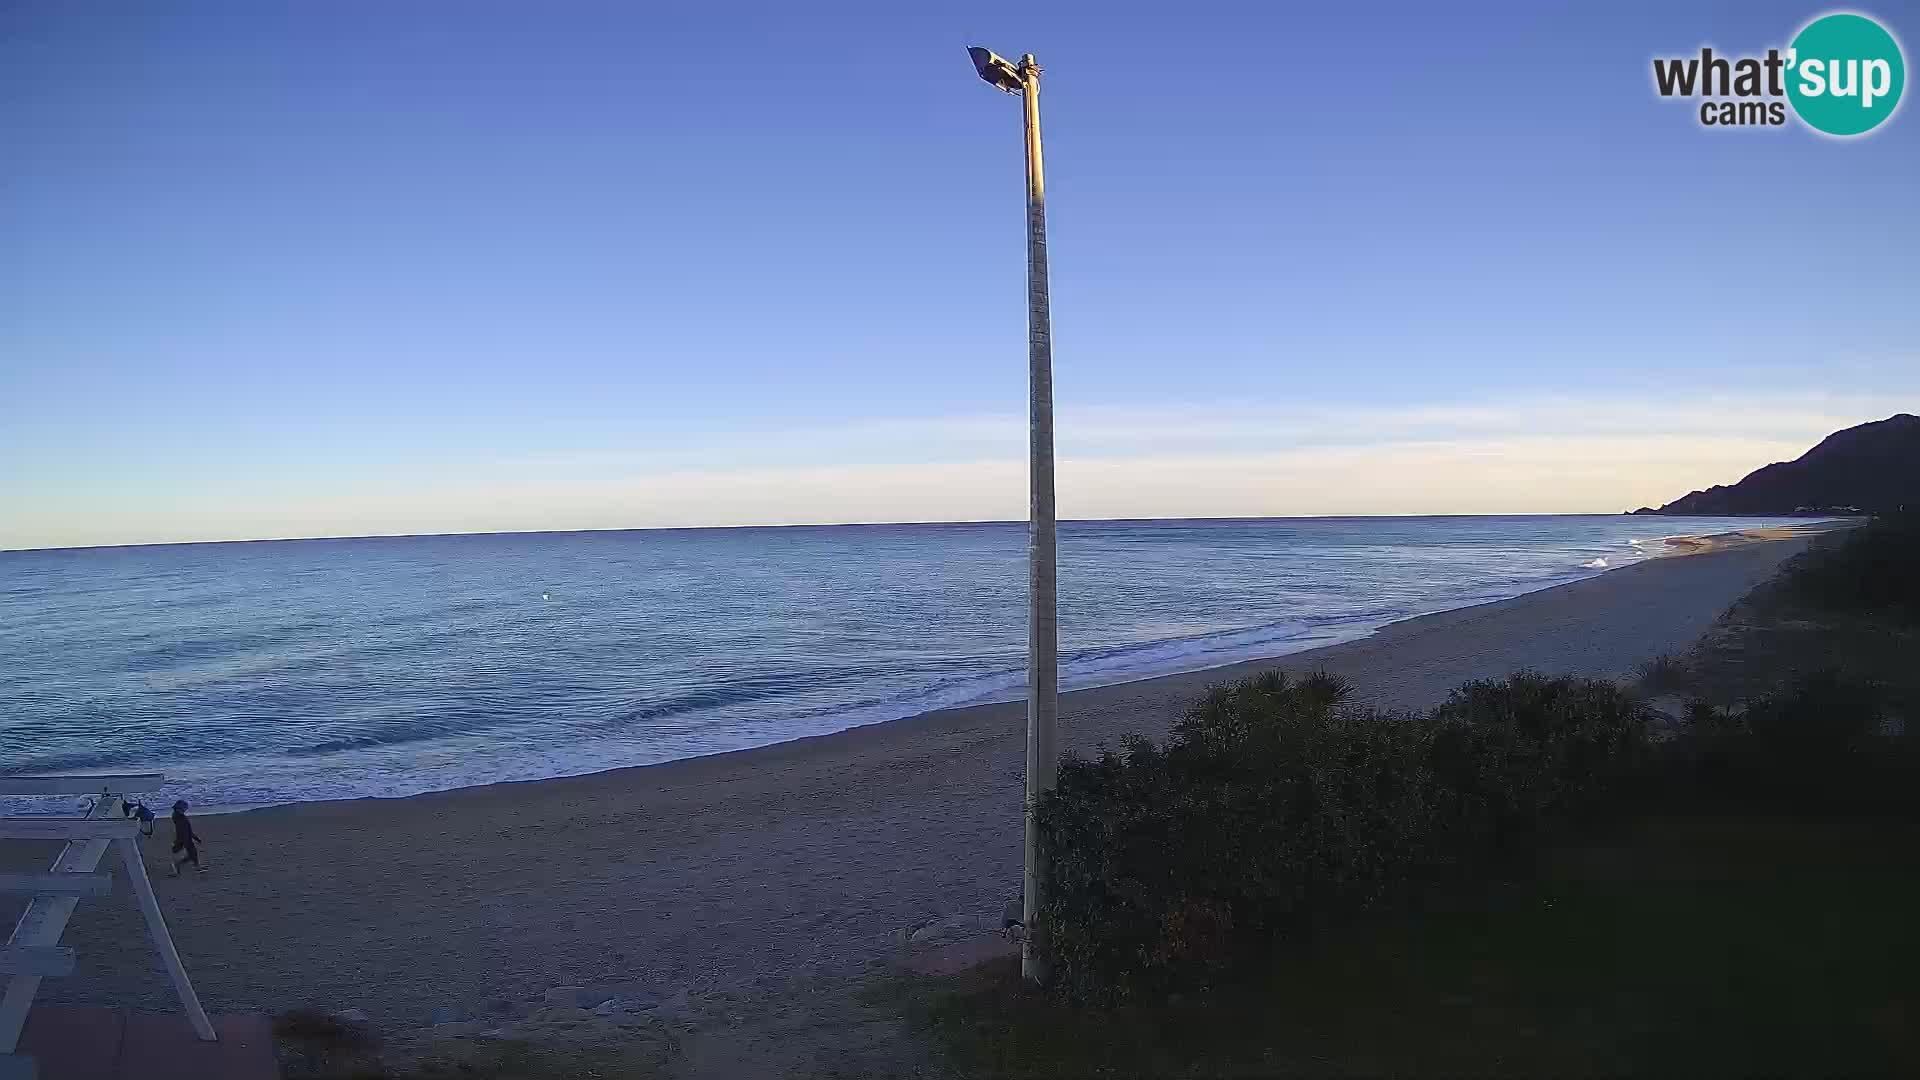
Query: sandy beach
x=746 y=869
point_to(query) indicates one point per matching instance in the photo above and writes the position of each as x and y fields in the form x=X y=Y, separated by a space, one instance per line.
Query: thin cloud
x=1129 y=432
x=1538 y=456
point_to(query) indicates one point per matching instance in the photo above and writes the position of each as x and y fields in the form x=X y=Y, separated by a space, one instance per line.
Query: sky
x=353 y=268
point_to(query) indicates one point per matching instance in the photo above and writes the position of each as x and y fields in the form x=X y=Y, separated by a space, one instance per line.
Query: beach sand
x=746 y=869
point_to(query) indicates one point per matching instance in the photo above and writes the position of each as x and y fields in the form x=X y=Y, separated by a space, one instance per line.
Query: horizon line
x=812 y=525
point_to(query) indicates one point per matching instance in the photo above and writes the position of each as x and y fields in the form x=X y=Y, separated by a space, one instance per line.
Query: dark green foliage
x=1688 y=947
x=1871 y=570
x=1665 y=674
x=1276 y=804
x=1701 y=943
x=1512 y=757
x=1822 y=743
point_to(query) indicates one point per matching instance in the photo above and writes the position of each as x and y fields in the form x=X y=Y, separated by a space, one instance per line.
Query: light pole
x=1043 y=630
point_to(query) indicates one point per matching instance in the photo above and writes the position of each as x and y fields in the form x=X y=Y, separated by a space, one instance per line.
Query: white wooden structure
x=34 y=951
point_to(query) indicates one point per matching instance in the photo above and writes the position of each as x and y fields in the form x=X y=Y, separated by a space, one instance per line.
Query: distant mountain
x=1871 y=468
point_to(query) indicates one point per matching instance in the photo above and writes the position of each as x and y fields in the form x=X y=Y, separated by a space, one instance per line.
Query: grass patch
x=1694 y=946
x=1665 y=674
x=1762 y=643
x=1848 y=605
x=1873 y=570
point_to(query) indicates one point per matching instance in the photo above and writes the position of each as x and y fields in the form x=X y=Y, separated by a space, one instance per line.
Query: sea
x=272 y=672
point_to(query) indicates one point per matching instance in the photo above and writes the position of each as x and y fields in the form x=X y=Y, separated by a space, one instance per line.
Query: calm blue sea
x=286 y=671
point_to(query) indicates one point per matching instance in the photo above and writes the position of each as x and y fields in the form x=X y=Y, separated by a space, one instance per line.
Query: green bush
x=1665 y=674
x=1276 y=804
x=1513 y=757
x=1821 y=743
x=1871 y=570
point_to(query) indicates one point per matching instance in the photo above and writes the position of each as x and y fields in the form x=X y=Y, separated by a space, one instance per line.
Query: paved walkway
x=113 y=1044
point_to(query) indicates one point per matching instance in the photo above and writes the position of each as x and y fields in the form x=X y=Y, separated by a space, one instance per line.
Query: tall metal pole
x=1043 y=631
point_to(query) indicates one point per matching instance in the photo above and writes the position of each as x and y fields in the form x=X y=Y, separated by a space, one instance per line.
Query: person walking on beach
x=184 y=840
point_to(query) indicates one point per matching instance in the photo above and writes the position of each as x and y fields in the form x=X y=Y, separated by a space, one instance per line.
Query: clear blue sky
x=311 y=269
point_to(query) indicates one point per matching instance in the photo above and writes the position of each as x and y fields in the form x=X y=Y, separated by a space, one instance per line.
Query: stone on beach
x=618 y=1005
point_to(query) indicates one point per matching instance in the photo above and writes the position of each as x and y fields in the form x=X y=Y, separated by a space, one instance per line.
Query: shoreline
x=1696 y=544
x=246 y=775
x=1678 y=546
x=742 y=871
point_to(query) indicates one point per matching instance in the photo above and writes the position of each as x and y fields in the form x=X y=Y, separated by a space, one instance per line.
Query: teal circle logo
x=1845 y=74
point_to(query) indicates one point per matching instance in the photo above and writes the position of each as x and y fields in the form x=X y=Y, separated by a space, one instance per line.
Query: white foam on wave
x=1657 y=545
x=469 y=759
x=462 y=760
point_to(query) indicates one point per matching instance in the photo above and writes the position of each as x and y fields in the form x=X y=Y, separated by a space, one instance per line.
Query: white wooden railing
x=34 y=951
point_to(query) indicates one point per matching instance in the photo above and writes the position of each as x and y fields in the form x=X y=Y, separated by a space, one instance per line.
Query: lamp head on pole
x=997 y=70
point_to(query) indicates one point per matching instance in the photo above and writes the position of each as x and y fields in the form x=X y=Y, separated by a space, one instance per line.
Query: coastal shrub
x=1822 y=742
x=1513 y=757
x=1273 y=800
x=1664 y=674
x=1277 y=804
x=1871 y=570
